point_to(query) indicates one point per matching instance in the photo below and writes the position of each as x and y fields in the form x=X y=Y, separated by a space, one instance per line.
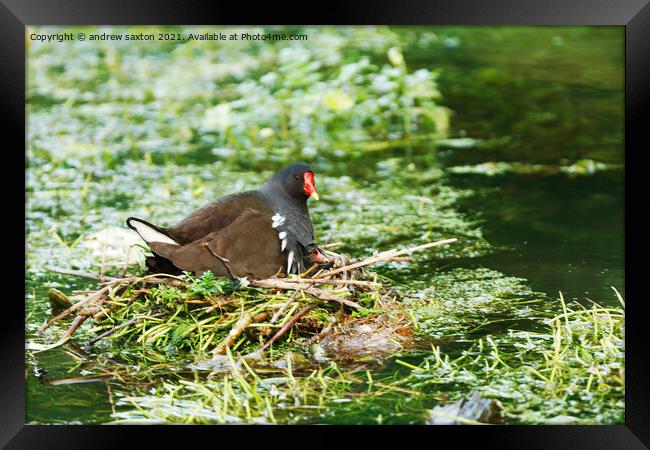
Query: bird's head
x=297 y=181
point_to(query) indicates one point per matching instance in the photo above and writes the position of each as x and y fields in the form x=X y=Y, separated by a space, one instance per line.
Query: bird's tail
x=150 y=233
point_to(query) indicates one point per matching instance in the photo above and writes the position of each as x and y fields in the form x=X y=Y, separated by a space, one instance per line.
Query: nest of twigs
x=346 y=309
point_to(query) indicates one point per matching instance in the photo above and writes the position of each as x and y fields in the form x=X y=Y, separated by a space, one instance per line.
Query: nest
x=375 y=336
x=348 y=311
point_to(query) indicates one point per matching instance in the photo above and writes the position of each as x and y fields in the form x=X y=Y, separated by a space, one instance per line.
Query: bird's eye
x=297 y=177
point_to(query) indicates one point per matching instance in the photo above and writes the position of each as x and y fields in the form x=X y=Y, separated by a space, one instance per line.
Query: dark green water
x=547 y=96
x=113 y=133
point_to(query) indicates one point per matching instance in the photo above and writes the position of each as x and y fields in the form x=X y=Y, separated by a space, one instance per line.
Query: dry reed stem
x=308 y=289
x=75 y=307
x=384 y=256
x=76 y=323
x=238 y=328
x=80 y=273
x=284 y=306
x=286 y=327
x=325 y=281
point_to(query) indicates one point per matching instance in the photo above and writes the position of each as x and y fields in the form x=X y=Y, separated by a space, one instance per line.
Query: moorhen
x=260 y=233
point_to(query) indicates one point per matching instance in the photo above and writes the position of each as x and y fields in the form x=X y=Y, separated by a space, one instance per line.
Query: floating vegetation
x=465 y=304
x=333 y=96
x=579 y=168
x=570 y=371
x=227 y=351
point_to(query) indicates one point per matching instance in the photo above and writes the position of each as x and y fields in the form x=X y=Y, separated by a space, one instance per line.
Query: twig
x=336 y=319
x=286 y=327
x=284 y=307
x=237 y=329
x=76 y=323
x=101 y=296
x=75 y=307
x=324 y=281
x=80 y=273
x=398 y=259
x=308 y=271
x=102 y=311
x=76 y=380
x=221 y=303
x=223 y=260
x=384 y=256
x=308 y=289
x=324 y=295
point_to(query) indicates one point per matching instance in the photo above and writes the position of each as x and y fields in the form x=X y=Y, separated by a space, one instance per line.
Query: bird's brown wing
x=216 y=216
x=249 y=243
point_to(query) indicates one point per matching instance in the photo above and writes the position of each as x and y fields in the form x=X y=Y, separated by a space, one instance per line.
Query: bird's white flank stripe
x=277 y=220
x=282 y=235
x=150 y=235
x=290 y=263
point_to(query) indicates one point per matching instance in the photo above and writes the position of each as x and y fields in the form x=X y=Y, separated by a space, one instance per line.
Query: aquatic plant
x=569 y=371
x=195 y=346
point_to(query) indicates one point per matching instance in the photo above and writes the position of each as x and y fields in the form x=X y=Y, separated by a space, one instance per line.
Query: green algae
x=582 y=167
x=569 y=371
x=485 y=332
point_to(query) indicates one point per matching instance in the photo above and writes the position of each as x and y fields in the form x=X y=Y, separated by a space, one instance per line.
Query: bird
x=258 y=233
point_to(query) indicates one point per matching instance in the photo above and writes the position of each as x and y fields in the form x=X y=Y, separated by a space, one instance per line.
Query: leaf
x=180 y=332
x=338 y=101
x=395 y=56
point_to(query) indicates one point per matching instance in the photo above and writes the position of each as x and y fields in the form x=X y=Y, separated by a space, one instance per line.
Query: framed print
x=412 y=216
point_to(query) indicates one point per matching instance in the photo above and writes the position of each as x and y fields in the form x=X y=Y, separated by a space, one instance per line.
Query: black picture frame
x=16 y=14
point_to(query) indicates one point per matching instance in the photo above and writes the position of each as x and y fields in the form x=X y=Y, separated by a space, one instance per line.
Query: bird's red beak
x=309 y=188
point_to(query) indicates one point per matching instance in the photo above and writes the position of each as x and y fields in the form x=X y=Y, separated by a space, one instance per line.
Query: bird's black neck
x=279 y=198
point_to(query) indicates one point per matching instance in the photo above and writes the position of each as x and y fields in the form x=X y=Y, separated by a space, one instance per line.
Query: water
x=560 y=234
x=538 y=98
x=545 y=95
